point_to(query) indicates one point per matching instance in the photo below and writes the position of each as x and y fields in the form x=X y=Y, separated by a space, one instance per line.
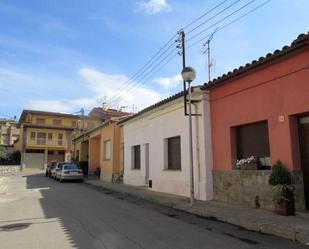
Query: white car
x=69 y=171
x=56 y=167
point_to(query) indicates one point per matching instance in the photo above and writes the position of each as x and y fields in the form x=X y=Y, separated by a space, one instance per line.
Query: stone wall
x=9 y=169
x=250 y=188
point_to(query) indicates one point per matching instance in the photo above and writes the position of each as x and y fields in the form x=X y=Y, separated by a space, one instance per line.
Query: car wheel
x=81 y=180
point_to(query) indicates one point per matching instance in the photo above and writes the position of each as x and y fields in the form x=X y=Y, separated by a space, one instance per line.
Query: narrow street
x=38 y=212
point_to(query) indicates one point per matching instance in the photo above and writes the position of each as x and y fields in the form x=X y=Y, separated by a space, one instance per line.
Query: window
x=73 y=124
x=32 y=135
x=50 y=152
x=50 y=136
x=252 y=140
x=173 y=153
x=40 y=121
x=107 y=150
x=60 y=139
x=61 y=152
x=41 y=138
x=57 y=122
x=136 y=157
x=35 y=151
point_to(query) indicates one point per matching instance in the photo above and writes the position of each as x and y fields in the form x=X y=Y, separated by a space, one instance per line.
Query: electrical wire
x=230 y=23
x=149 y=69
x=226 y=17
x=209 y=19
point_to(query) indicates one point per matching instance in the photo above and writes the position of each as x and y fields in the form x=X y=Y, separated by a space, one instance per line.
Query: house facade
x=102 y=147
x=156 y=147
x=9 y=132
x=47 y=136
x=262 y=110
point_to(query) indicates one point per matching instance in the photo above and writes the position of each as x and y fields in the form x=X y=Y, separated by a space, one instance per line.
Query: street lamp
x=188 y=74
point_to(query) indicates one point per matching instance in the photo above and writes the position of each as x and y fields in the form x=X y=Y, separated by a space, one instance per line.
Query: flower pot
x=249 y=166
x=286 y=208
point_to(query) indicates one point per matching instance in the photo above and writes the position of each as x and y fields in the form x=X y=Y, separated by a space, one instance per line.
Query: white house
x=156 y=147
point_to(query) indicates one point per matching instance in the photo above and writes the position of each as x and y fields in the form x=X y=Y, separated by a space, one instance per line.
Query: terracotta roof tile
x=301 y=41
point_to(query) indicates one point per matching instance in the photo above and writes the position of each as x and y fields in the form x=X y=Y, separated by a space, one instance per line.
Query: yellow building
x=47 y=136
x=102 y=147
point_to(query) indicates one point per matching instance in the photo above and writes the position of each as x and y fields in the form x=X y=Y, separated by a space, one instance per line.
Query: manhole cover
x=14 y=227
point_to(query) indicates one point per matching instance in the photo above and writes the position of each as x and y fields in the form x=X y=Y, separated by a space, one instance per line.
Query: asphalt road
x=37 y=213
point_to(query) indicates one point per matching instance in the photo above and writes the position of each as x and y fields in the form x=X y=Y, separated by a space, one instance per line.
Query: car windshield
x=60 y=165
x=71 y=166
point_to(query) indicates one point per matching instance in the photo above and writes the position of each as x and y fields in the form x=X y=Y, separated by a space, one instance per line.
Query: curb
x=263 y=226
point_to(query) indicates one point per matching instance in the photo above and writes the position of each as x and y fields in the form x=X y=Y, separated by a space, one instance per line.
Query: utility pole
x=209 y=63
x=182 y=52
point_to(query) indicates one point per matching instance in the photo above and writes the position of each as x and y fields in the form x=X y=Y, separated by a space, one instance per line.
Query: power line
x=226 y=17
x=149 y=65
x=149 y=69
x=234 y=12
x=144 y=77
x=205 y=14
x=219 y=13
x=150 y=62
x=119 y=94
x=230 y=23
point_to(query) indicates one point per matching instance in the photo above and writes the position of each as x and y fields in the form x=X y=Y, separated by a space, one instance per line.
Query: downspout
x=197 y=148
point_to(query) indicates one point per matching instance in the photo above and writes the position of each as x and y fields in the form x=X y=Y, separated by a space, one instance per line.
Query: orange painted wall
x=94 y=153
x=279 y=88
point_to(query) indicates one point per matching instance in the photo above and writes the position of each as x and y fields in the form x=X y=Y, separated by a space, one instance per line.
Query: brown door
x=304 y=146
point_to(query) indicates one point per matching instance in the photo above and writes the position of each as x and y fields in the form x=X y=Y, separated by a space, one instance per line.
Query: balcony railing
x=44 y=141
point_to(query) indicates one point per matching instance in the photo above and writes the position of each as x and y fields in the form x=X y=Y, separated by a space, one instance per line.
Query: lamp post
x=188 y=74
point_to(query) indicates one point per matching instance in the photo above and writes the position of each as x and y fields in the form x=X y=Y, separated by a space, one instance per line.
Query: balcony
x=47 y=142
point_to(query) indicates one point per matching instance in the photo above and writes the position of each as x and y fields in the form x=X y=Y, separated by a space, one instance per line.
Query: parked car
x=56 y=167
x=69 y=171
x=49 y=167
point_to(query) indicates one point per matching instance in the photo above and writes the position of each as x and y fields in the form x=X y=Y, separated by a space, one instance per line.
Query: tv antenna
x=206 y=47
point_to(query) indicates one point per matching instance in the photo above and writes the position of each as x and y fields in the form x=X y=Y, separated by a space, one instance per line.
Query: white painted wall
x=168 y=121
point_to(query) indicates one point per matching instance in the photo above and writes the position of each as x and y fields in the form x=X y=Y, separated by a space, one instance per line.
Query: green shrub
x=280 y=175
x=282 y=193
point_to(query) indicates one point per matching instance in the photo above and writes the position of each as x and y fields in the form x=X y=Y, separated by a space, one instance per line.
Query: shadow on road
x=90 y=219
x=52 y=203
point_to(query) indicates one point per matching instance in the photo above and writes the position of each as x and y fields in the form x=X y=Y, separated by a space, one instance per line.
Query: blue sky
x=64 y=55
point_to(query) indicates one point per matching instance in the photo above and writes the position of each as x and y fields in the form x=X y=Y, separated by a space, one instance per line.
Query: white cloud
x=112 y=87
x=153 y=6
x=50 y=105
x=169 y=82
x=92 y=83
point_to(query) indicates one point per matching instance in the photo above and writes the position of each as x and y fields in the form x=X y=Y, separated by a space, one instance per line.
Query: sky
x=71 y=54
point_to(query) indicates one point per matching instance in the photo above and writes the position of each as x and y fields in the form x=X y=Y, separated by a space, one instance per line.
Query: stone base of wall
x=9 y=169
x=250 y=188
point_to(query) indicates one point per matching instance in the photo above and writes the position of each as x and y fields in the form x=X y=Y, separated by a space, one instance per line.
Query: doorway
x=304 y=148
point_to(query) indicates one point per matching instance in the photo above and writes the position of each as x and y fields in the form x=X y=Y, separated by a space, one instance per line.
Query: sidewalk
x=295 y=228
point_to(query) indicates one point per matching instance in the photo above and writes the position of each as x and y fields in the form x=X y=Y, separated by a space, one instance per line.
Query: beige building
x=9 y=132
x=47 y=136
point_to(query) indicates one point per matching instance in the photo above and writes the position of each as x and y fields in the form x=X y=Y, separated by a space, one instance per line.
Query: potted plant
x=249 y=163
x=283 y=189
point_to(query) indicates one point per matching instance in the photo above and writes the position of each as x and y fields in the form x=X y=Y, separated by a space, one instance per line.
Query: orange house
x=103 y=150
x=262 y=110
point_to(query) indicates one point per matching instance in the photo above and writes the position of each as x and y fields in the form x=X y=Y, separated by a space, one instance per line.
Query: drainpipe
x=197 y=148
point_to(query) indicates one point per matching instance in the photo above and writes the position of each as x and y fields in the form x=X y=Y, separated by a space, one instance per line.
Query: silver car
x=56 y=167
x=69 y=171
